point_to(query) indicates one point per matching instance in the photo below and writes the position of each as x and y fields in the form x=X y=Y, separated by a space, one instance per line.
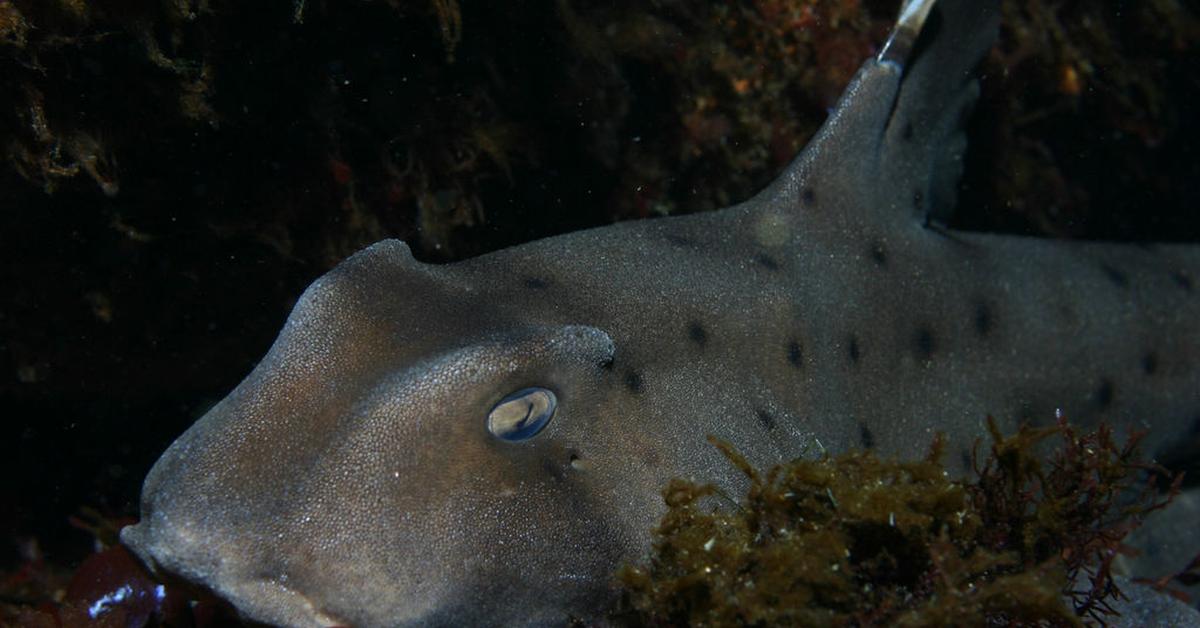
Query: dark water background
x=172 y=183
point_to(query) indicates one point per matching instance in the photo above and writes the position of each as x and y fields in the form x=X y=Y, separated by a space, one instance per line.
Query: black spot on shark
x=983 y=319
x=1117 y=277
x=795 y=354
x=878 y=254
x=1183 y=280
x=866 y=438
x=924 y=343
x=766 y=419
x=634 y=383
x=766 y=261
x=1105 y=392
x=1150 y=363
x=536 y=283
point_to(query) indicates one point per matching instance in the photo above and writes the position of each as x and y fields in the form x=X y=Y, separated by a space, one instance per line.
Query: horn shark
x=484 y=442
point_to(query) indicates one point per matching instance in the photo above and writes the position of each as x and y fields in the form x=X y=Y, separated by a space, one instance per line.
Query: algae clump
x=855 y=540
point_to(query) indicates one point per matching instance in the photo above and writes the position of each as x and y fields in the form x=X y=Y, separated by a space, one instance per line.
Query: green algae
x=856 y=540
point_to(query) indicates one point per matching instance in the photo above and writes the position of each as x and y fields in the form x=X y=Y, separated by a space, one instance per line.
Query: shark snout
x=230 y=566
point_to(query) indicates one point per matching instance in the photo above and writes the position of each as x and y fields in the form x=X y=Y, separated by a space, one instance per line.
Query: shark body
x=484 y=442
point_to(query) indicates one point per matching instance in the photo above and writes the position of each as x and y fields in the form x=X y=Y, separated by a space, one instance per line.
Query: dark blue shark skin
x=363 y=473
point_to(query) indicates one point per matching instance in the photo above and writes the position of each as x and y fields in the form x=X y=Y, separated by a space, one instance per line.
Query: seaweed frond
x=856 y=540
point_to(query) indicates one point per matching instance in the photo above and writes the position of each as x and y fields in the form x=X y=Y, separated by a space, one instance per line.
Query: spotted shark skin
x=351 y=478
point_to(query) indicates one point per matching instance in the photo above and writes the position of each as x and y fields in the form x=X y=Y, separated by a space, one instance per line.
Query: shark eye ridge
x=522 y=414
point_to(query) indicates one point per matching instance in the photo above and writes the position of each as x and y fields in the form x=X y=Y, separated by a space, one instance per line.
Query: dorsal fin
x=926 y=136
x=892 y=148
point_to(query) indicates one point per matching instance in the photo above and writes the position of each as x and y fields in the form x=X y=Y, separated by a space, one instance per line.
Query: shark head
x=406 y=454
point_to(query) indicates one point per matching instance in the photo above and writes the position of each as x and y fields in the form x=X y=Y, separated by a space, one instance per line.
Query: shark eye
x=522 y=414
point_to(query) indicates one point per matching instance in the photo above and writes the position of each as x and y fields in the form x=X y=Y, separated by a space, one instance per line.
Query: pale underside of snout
x=196 y=555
